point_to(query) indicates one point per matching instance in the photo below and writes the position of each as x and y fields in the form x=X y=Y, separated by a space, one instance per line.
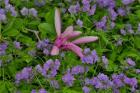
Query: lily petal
x=55 y=50
x=74 y=34
x=76 y=49
x=57 y=22
x=86 y=39
x=68 y=31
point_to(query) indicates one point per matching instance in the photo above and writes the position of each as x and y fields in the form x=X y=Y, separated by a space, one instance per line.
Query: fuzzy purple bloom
x=24 y=11
x=42 y=91
x=25 y=74
x=101 y=24
x=86 y=7
x=2 y=15
x=11 y=9
x=3 y=47
x=126 y=2
x=138 y=71
x=130 y=62
x=105 y=61
x=86 y=89
x=123 y=32
x=17 y=45
x=72 y=9
x=55 y=84
x=102 y=82
x=33 y=91
x=33 y=12
x=112 y=13
x=68 y=78
x=121 y=12
x=92 y=10
x=39 y=3
x=131 y=81
x=106 y=3
x=79 y=22
x=77 y=70
x=112 y=25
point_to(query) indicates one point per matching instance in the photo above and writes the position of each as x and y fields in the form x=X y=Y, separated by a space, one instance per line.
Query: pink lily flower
x=63 y=39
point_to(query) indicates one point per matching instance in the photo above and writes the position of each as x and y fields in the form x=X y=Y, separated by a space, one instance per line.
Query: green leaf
x=46 y=29
x=11 y=32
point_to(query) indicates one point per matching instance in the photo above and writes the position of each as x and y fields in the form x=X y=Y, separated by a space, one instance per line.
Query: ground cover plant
x=69 y=46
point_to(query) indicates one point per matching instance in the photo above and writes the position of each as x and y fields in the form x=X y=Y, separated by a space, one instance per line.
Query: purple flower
x=121 y=12
x=106 y=3
x=24 y=11
x=112 y=25
x=129 y=28
x=126 y=2
x=119 y=42
x=86 y=7
x=42 y=91
x=92 y=10
x=123 y=32
x=43 y=44
x=130 y=62
x=131 y=81
x=54 y=84
x=87 y=51
x=105 y=61
x=113 y=14
x=90 y=58
x=33 y=12
x=33 y=91
x=3 y=47
x=101 y=24
x=86 y=2
x=2 y=15
x=25 y=74
x=77 y=7
x=79 y=22
x=11 y=9
x=72 y=9
x=68 y=78
x=77 y=70
x=6 y=2
x=39 y=3
x=46 y=51
x=102 y=82
x=86 y=89
x=17 y=45
x=138 y=71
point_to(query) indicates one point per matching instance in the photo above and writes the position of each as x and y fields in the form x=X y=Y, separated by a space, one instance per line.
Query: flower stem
x=35 y=32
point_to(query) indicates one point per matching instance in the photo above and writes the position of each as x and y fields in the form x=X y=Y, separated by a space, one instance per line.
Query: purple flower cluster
x=42 y=90
x=113 y=14
x=102 y=24
x=102 y=81
x=122 y=80
x=79 y=22
x=77 y=70
x=11 y=9
x=17 y=45
x=49 y=68
x=106 y=3
x=45 y=46
x=2 y=15
x=127 y=2
x=105 y=61
x=39 y=3
x=26 y=74
x=29 y=12
x=68 y=78
x=3 y=47
x=90 y=57
x=130 y=62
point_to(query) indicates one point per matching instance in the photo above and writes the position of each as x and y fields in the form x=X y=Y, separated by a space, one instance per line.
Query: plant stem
x=35 y=32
